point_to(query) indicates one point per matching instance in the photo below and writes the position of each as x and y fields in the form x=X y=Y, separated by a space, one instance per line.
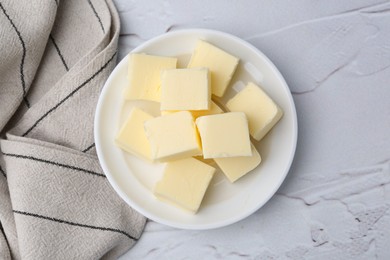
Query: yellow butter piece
x=144 y=76
x=214 y=109
x=262 y=112
x=173 y=136
x=184 y=183
x=236 y=167
x=221 y=64
x=224 y=135
x=132 y=137
x=185 y=89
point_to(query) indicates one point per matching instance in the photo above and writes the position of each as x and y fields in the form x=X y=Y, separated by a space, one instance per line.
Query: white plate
x=224 y=203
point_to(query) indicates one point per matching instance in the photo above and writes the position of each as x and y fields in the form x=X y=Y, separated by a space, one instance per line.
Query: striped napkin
x=55 y=201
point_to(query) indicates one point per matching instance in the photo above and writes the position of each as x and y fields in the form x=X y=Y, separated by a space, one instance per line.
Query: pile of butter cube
x=192 y=127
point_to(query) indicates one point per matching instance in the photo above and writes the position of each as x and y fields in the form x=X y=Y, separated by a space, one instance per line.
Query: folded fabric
x=55 y=201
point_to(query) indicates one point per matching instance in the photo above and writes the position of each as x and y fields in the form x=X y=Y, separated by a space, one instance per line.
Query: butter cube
x=214 y=109
x=224 y=135
x=184 y=183
x=236 y=167
x=220 y=63
x=144 y=76
x=185 y=89
x=173 y=136
x=262 y=112
x=132 y=137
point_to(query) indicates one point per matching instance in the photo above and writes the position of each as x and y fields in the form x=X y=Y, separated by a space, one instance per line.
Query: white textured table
x=335 y=56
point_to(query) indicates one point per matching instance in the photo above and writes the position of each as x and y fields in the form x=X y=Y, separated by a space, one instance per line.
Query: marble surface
x=335 y=57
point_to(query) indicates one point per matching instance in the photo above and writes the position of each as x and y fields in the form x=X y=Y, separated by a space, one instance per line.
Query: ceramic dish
x=224 y=203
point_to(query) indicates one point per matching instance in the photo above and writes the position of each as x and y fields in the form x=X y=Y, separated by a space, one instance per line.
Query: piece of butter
x=214 y=109
x=236 y=167
x=262 y=112
x=144 y=76
x=185 y=89
x=132 y=137
x=173 y=136
x=220 y=63
x=224 y=135
x=184 y=183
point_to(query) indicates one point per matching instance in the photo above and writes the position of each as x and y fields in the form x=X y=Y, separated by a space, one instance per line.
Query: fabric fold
x=55 y=201
x=60 y=199
x=19 y=62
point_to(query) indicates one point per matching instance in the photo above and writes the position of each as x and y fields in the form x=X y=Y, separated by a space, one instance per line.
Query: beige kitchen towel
x=55 y=201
